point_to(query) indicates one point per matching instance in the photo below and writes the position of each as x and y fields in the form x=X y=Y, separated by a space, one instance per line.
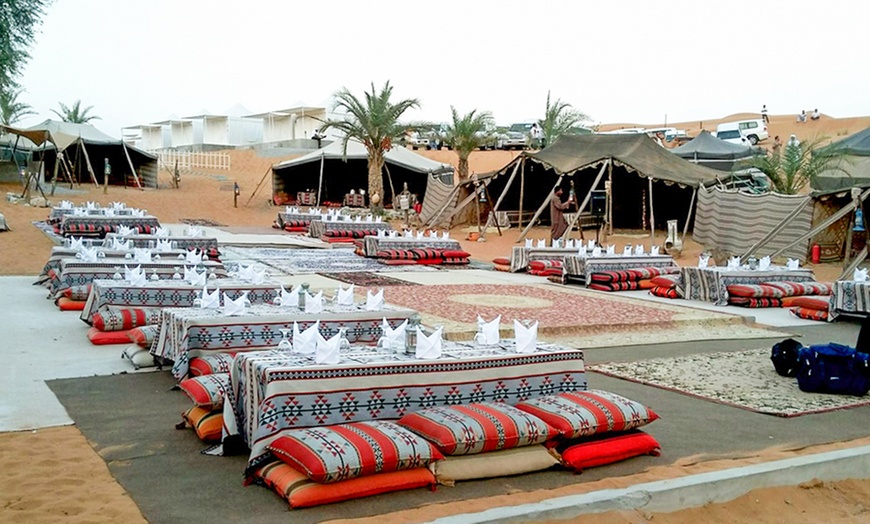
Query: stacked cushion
x=207 y=423
x=477 y=428
x=629 y=279
x=77 y=292
x=545 y=268
x=809 y=307
x=301 y=492
x=501 y=264
x=615 y=286
x=583 y=413
x=115 y=319
x=810 y=314
x=209 y=364
x=515 y=461
x=754 y=291
x=100 y=338
x=346 y=451
x=430 y=256
x=207 y=391
x=755 y=302
x=608 y=450
x=666 y=292
x=666 y=286
x=69 y=304
x=791 y=289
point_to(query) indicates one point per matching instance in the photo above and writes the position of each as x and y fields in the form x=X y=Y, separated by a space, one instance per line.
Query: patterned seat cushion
x=68 y=304
x=300 y=492
x=552 y=272
x=609 y=450
x=809 y=302
x=208 y=424
x=615 y=286
x=143 y=336
x=501 y=261
x=665 y=280
x=540 y=265
x=792 y=289
x=100 y=338
x=477 y=428
x=608 y=277
x=77 y=292
x=583 y=413
x=397 y=254
x=427 y=253
x=207 y=391
x=755 y=302
x=391 y=262
x=455 y=261
x=665 y=292
x=115 y=319
x=456 y=253
x=213 y=363
x=346 y=451
x=810 y=314
x=430 y=261
x=754 y=291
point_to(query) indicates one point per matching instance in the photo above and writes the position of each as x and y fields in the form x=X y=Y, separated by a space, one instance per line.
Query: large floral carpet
x=744 y=379
x=571 y=316
x=367 y=279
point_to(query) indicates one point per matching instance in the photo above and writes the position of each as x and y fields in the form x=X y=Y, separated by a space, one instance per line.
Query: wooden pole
x=652 y=216
x=259 y=184
x=320 y=180
x=586 y=199
x=492 y=216
x=523 y=189
x=689 y=216
x=88 y=163
x=133 y=169
x=610 y=198
x=540 y=210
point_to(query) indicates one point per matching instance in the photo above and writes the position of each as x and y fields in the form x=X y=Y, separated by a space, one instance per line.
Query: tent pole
x=522 y=190
x=540 y=210
x=585 y=200
x=498 y=202
x=320 y=180
x=610 y=197
x=689 y=215
x=652 y=216
x=133 y=169
x=259 y=184
x=452 y=196
x=390 y=180
x=88 y=163
x=57 y=158
x=779 y=227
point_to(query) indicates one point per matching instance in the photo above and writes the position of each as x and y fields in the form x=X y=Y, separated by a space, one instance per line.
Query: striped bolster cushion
x=210 y=364
x=427 y=253
x=207 y=424
x=107 y=319
x=665 y=280
x=297 y=223
x=810 y=314
x=77 y=292
x=615 y=286
x=808 y=302
x=456 y=261
x=755 y=302
x=605 y=277
x=539 y=265
x=207 y=391
x=665 y=292
x=644 y=273
x=397 y=254
x=754 y=291
x=791 y=289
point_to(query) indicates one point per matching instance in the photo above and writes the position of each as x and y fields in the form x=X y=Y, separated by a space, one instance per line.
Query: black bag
x=833 y=368
x=784 y=356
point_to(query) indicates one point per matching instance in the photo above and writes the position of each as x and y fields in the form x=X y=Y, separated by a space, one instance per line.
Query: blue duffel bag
x=834 y=368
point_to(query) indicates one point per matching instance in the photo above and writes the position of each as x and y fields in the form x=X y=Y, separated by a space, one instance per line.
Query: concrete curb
x=686 y=492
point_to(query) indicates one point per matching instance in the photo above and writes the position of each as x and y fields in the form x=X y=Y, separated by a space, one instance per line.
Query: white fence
x=192 y=160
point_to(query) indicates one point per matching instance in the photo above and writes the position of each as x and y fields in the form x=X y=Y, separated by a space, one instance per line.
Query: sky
x=144 y=61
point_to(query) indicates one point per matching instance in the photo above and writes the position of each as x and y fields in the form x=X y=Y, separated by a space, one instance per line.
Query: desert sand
x=68 y=481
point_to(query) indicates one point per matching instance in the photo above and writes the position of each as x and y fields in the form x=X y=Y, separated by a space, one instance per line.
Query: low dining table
x=522 y=255
x=180 y=242
x=576 y=267
x=849 y=297
x=272 y=392
x=710 y=284
x=73 y=225
x=318 y=226
x=186 y=333
x=372 y=244
x=74 y=272
x=171 y=293
x=60 y=253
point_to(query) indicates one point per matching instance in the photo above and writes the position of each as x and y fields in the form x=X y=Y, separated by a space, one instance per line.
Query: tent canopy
x=636 y=152
x=707 y=147
x=856 y=165
x=857 y=144
x=344 y=172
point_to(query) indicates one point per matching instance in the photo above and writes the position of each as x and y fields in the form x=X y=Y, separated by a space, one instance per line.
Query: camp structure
x=619 y=171
x=855 y=168
x=331 y=173
x=707 y=150
x=85 y=150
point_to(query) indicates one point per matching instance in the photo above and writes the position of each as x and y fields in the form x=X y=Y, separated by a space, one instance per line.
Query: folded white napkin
x=358 y=218
x=313 y=211
x=433 y=233
x=91 y=205
x=193 y=257
x=408 y=234
x=76 y=243
x=488 y=332
x=764 y=263
x=381 y=233
x=638 y=249
x=542 y=243
x=139 y=213
x=429 y=348
x=285 y=298
x=142 y=256
x=138 y=279
x=369 y=218
x=394 y=234
x=375 y=302
x=209 y=300
x=129 y=274
x=305 y=342
x=590 y=245
x=193 y=231
x=161 y=232
x=596 y=251
x=314 y=303
x=703 y=260
x=79 y=212
x=237 y=306
x=557 y=243
x=66 y=204
x=378 y=219
x=626 y=251
x=121 y=245
x=581 y=252
x=611 y=250
x=860 y=275
x=654 y=251
x=327 y=351
x=445 y=235
x=108 y=212
x=258 y=277
x=734 y=263
x=792 y=264
x=164 y=245
x=569 y=244
x=124 y=231
x=392 y=338
x=526 y=338
x=88 y=254
x=198 y=279
x=344 y=297
x=118 y=205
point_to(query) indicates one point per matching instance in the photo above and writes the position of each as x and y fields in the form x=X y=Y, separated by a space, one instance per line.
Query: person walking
x=558 y=224
x=764 y=114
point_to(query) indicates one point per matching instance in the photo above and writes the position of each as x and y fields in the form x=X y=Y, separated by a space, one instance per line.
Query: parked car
x=516 y=137
x=415 y=139
x=754 y=130
x=669 y=133
x=734 y=136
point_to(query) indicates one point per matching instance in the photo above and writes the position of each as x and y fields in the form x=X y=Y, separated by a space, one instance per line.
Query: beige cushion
x=138 y=356
x=493 y=464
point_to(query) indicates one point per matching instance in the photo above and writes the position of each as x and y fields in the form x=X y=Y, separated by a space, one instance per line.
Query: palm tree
x=467 y=133
x=11 y=110
x=374 y=122
x=559 y=118
x=797 y=166
x=74 y=113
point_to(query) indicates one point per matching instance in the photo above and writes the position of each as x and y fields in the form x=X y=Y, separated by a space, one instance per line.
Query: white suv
x=754 y=130
x=734 y=136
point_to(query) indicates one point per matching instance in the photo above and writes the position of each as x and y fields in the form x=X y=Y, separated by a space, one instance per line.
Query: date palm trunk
x=376 y=181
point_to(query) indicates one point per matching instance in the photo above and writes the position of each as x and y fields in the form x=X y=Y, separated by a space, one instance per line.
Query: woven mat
x=367 y=279
x=284 y=261
x=743 y=379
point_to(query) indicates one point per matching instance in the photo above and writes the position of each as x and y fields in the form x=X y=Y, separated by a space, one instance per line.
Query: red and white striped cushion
x=754 y=291
x=207 y=391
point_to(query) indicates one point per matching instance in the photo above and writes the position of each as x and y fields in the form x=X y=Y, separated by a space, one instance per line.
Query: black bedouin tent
x=331 y=173
x=853 y=172
x=707 y=150
x=623 y=167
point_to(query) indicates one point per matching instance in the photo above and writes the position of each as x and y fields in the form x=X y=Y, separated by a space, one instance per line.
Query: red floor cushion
x=583 y=413
x=755 y=302
x=552 y=272
x=77 y=292
x=346 y=451
x=207 y=423
x=397 y=254
x=646 y=273
x=791 y=289
x=615 y=286
x=209 y=364
x=336 y=240
x=502 y=267
x=68 y=304
x=609 y=450
x=456 y=253
x=430 y=261
x=502 y=261
x=477 y=428
x=820 y=303
x=540 y=265
x=754 y=291
x=607 y=277
x=455 y=261
x=390 y=262
x=810 y=314
x=665 y=292
x=645 y=284
x=665 y=280
x=114 y=319
x=290 y=229
x=143 y=336
x=301 y=492
x=100 y=338
x=207 y=391
x=503 y=463
x=427 y=253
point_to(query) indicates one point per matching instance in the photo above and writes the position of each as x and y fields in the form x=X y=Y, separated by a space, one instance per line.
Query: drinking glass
x=284 y=344
x=176 y=275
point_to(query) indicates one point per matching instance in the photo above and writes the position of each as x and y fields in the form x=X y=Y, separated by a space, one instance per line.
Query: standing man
x=107 y=172
x=764 y=114
x=558 y=224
